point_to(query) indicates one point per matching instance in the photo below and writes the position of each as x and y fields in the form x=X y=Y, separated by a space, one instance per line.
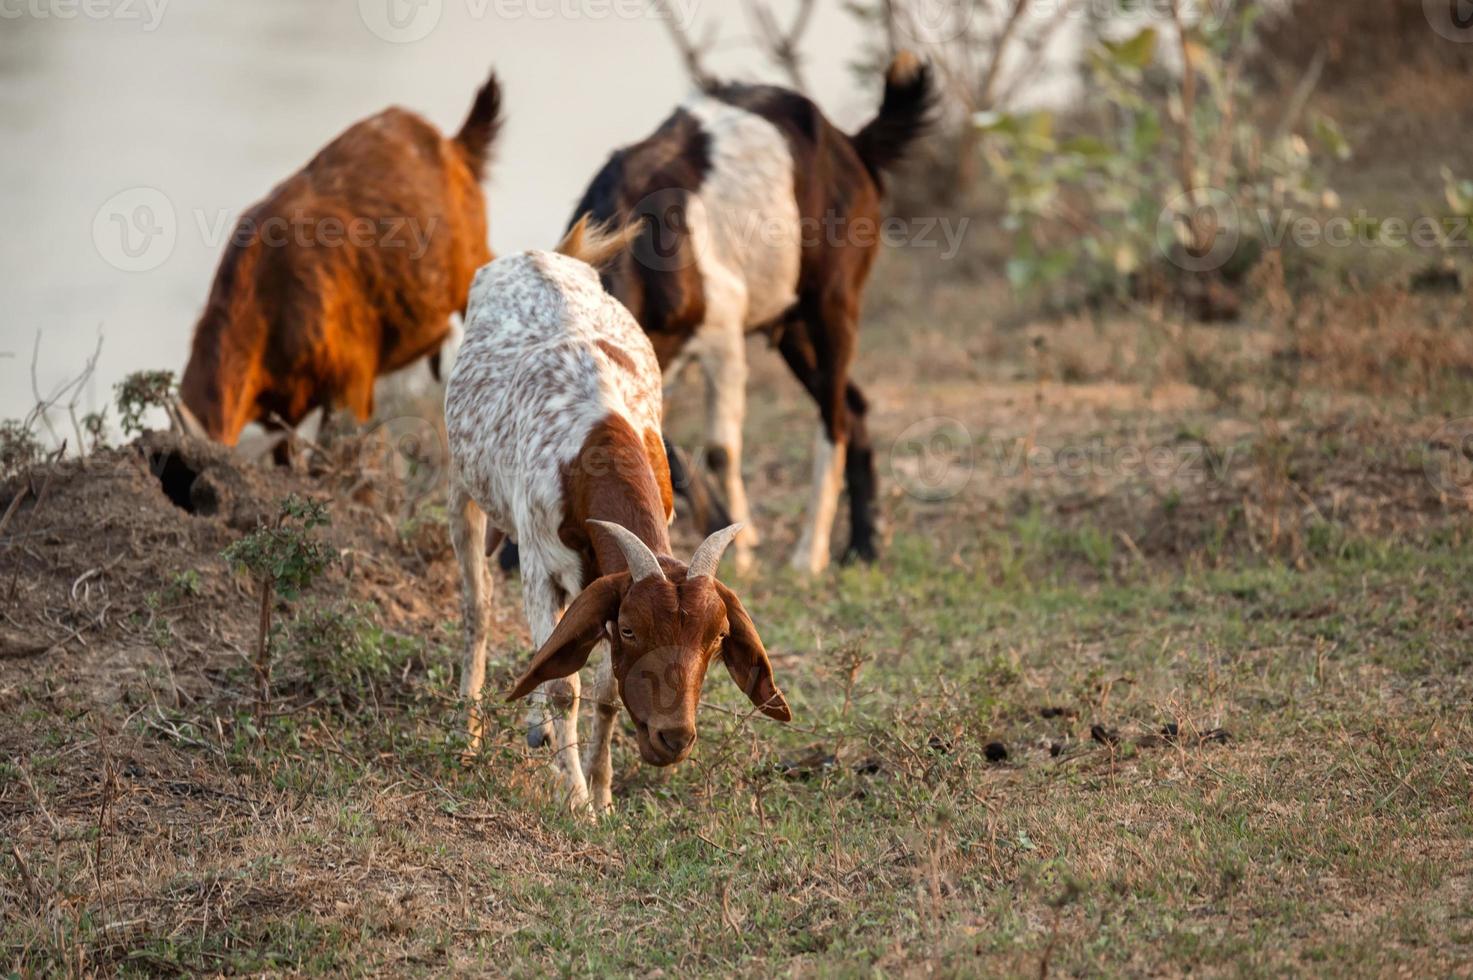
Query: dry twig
x=691 y=53
x=781 y=46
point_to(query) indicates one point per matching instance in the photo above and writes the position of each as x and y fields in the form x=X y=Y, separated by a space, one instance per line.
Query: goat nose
x=676 y=740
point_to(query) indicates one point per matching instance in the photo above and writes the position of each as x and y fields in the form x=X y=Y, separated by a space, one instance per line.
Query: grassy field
x=1166 y=670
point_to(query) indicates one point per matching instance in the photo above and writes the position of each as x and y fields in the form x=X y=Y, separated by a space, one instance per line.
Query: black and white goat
x=760 y=215
x=553 y=412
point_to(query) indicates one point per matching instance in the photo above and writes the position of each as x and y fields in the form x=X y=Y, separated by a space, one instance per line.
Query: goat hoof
x=866 y=554
x=810 y=565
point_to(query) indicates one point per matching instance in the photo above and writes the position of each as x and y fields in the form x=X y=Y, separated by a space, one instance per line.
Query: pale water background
x=200 y=106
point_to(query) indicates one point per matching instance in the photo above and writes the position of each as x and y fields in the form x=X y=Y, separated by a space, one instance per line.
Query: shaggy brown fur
x=348 y=270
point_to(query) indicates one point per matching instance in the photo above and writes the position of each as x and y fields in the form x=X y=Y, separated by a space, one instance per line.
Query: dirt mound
x=101 y=553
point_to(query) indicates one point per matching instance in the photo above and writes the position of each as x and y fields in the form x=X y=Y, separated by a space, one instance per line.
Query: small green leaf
x=1002 y=123
x=1330 y=136
x=1136 y=52
x=1088 y=147
x=1145 y=133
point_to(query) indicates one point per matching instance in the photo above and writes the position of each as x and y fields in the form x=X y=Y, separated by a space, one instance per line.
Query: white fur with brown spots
x=547 y=357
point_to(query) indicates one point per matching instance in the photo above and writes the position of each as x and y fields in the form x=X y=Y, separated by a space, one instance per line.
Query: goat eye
x=626 y=632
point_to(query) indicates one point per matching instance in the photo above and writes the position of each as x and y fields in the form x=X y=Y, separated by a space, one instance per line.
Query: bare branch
x=1037 y=47
x=892 y=43
x=1220 y=155
x=43 y=404
x=781 y=46
x=1187 y=163
x=70 y=389
x=1302 y=93
x=88 y=370
x=692 y=54
x=1000 y=44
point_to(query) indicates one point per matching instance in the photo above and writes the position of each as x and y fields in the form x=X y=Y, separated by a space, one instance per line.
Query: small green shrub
x=284 y=558
x=1172 y=168
x=348 y=659
x=139 y=392
x=94 y=426
x=19 y=448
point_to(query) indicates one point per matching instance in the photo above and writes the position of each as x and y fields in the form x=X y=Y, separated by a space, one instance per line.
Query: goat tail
x=482 y=127
x=905 y=114
x=596 y=243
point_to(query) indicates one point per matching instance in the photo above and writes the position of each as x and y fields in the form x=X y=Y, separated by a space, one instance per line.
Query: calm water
x=133 y=137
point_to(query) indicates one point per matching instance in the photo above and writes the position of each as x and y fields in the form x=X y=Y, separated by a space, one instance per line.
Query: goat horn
x=642 y=561
x=188 y=423
x=707 y=559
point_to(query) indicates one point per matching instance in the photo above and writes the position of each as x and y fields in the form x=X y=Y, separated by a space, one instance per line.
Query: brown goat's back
x=349 y=269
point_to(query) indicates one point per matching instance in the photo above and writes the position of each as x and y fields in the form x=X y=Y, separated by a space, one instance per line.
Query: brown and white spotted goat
x=761 y=215
x=349 y=269
x=553 y=412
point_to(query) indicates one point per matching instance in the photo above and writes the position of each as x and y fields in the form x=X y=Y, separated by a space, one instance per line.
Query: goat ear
x=746 y=659
x=577 y=633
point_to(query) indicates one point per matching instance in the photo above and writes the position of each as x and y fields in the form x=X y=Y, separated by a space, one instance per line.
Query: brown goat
x=348 y=270
x=553 y=414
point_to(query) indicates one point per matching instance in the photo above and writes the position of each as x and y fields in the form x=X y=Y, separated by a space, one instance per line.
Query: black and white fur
x=760 y=215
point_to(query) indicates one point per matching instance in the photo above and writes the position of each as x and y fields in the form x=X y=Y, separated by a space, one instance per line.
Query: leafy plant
x=284 y=558
x=185 y=585
x=139 y=392
x=1173 y=166
x=19 y=448
x=94 y=425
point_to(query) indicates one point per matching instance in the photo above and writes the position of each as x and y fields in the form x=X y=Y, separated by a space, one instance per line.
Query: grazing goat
x=553 y=413
x=349 y=269
x=761 y=215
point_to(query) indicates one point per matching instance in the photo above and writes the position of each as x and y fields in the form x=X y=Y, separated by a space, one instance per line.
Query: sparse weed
x=350 y=661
